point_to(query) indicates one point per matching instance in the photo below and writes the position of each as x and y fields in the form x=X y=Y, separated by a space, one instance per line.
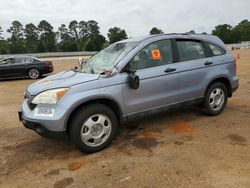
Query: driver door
x=159 y=80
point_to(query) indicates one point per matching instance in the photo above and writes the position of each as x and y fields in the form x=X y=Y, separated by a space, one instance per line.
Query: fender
x=90 y=99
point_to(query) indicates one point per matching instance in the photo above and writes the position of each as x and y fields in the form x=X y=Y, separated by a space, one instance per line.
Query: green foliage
x=237 y=34
x=16 y=41
x=1 y=33
x=223 y=32
x=85 y=35
x=66 y=44
x=116 y=34
x=31 y=34
x=74 y=31
x=3 y=43
x=47 y=38
x=243 y=30
x=94 y=40
x=3 y=47
x=95 y=43
x=80 y=36
x=155 y=30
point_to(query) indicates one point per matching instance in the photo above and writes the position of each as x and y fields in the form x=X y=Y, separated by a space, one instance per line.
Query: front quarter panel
x=107 y=87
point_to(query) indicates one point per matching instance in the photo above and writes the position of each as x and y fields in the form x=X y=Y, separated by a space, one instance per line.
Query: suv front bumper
x=39 y=128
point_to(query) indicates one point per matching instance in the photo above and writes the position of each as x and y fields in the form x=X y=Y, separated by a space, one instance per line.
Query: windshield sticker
x=156 y=54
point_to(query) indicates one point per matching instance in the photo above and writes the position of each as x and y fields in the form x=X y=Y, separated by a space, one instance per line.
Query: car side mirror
x=134 y=80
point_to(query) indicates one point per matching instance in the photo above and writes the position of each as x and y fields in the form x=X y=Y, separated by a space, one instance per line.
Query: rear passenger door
x=195 y=65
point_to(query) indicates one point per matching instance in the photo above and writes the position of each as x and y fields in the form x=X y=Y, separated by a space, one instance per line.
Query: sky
x=137 y=17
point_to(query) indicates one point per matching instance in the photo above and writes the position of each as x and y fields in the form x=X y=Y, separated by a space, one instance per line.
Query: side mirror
x=134 y=80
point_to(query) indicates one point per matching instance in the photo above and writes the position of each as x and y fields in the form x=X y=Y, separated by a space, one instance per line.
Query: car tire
x=93 y=128
x=215 y=99
x=33 y=73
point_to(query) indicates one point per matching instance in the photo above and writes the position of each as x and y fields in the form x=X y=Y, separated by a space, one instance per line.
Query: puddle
x=63 y=183
x=145 y=143
x=181 y=126
x=75 y=166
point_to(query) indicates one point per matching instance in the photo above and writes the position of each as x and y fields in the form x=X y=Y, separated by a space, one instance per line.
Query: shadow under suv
x=130 y=79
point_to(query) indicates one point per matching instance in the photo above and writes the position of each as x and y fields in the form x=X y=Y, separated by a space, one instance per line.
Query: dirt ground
x=182 y=148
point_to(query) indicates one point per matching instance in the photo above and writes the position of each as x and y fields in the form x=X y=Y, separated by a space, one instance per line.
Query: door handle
x=208 y=63
x=170 y=70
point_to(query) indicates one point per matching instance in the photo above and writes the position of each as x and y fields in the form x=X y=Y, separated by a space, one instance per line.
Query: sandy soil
x=183 y=148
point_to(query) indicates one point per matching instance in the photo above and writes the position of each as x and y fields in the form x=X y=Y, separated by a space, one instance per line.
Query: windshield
x=107 y=59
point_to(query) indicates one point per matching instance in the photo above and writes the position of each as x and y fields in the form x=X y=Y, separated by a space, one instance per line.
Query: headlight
x=50 y=96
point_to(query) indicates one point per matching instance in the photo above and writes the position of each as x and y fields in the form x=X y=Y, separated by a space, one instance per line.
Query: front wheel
x=216 y=99
x=93 y=128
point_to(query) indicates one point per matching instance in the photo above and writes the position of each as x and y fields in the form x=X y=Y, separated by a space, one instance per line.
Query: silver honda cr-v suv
x=128 y=80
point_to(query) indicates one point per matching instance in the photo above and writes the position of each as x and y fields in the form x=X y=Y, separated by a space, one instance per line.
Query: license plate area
x=44 y=112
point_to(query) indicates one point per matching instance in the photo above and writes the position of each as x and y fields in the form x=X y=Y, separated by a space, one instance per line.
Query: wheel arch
x=111 y=103
x=223 y=80
x=29 y=68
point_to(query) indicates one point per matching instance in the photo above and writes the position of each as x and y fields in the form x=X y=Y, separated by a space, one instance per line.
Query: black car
x=24 y=66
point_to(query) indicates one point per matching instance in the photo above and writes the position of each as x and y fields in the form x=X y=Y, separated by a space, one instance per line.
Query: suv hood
x=62 y=79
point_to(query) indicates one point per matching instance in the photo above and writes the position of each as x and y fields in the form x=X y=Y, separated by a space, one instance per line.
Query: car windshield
x=107 y=59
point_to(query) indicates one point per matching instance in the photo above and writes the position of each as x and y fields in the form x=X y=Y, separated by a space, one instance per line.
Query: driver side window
x=155 y=54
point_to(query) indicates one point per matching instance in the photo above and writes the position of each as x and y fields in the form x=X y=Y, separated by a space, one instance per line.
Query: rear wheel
x=93 y=128
x=216 y=99
x=34 y=73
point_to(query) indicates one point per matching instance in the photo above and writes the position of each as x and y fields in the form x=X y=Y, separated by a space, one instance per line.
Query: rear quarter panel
x=195 y=77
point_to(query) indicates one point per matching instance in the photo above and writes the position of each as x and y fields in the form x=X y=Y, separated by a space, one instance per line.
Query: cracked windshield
x=107 y=59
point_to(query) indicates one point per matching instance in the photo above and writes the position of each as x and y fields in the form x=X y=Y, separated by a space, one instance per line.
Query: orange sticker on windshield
x=156 y=54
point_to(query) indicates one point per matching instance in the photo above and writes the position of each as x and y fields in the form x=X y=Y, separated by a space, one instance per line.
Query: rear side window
x=20 y=60
x=216 y=49
x=190 y=50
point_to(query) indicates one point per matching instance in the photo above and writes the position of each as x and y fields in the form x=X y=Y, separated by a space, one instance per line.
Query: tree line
x=236 y=34
x=76 y=36
x=85 y=35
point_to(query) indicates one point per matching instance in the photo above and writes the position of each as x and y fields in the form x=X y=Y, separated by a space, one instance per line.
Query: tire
x=33 y=73
x=215 y=99
x=93 y=128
